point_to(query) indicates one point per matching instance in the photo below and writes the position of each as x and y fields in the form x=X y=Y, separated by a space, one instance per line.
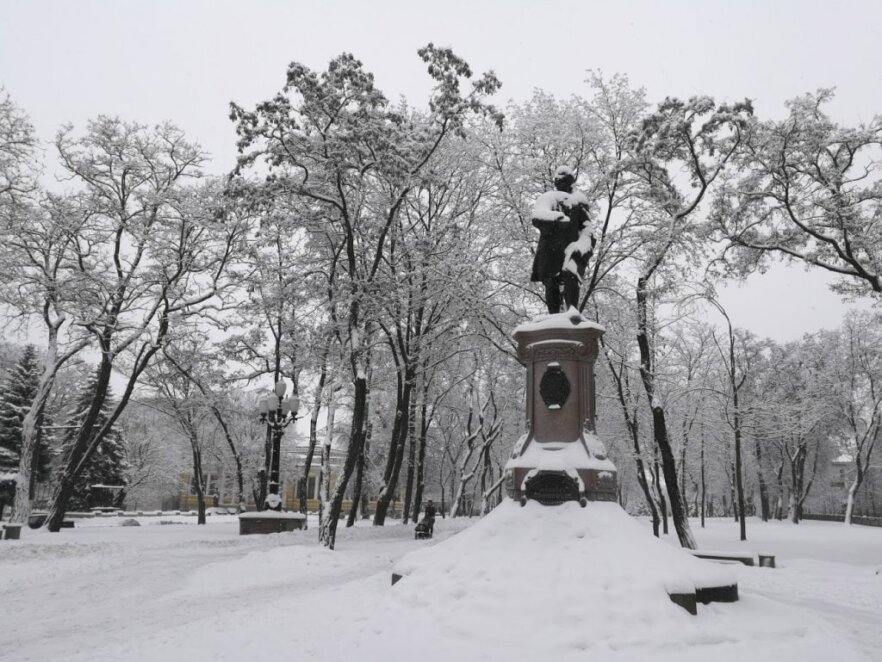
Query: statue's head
x=564 y=179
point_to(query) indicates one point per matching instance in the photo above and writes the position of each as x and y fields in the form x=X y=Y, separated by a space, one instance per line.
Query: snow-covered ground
x=825 y=568
x=521 y=584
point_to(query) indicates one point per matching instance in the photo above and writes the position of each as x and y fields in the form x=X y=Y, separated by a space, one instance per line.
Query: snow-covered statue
x=565 y=241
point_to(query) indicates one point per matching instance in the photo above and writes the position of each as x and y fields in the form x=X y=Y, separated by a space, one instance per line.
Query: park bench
x=747 y=558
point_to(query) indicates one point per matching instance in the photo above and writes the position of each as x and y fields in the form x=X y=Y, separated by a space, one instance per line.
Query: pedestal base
x=553 y=473
x=551 y=488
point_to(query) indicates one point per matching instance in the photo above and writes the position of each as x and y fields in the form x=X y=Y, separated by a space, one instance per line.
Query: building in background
x=830 y=495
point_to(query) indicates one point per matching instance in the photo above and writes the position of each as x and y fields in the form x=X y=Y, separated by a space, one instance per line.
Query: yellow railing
x=190 y=502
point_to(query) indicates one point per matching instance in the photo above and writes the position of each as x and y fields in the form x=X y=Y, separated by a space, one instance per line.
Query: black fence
x=855 y=519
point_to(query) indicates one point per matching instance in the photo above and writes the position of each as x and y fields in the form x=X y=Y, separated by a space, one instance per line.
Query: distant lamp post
x=276 y=411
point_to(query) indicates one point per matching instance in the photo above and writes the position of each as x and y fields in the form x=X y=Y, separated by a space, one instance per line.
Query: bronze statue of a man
x=565 y=242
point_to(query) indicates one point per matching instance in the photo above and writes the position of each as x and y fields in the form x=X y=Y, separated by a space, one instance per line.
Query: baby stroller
x=424 y=529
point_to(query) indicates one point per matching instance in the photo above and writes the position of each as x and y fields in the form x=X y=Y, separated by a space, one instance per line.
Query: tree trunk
x=797 y=470
x=647 y=495
x=852 y=491
x=466 y=478
x=779 y=483
x=357 y=489
x=310 y=454
x=736 y=423
x=21 y=505
x=75 y=458
x=457 y=495
x=792 y=512
x=739 y=484
x=488 y=493
x=359 y=498
x=682 y=469
x=88 y=438
x=411 y=462
x=462 y=480
x=396 y=448
x=703 y=506
x=198 y=479
x=761 y=479
x=678 y=510
x=30 y=433
x=632 y=422
x=325 y=475
x=313 y=429
x=660 y=495
x=265 y=476
x=421 y=458
x=325 y=488
x=732 y=496
x=356 y=439
x=35 y=460
x=240 y=480
x=360 y=363
x=644 y=483
x=659 y=424
x=806 y=486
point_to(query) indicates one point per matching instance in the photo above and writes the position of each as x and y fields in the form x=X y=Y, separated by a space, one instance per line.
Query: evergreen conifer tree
x=107 y=466
x=16 y=395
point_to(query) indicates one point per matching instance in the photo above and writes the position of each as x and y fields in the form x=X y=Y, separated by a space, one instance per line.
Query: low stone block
x=685 y=600
x=11 y=531
x=270 y=521
x=717 y=594
x=766 y=560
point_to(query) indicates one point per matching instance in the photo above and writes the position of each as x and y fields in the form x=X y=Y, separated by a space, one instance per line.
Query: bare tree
x=699 y=137
x=179 y=398
x=482 y=427
x=18 y=154
x=856 y=380
x=807 y=190
x=736 y=367
x=150 y=252
x=623 y=372
x=794 y=420
x=332 y=140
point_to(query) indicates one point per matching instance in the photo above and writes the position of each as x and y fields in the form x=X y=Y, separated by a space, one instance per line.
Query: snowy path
x=824 y=568
x=111 y=588
x=848 y=598
x=100 y=604
x=863 y=625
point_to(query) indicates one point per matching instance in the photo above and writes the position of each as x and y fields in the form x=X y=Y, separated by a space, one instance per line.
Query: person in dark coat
x=565 y=242
x=429 y=516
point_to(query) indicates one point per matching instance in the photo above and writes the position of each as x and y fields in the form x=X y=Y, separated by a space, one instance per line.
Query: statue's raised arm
x=565 y=242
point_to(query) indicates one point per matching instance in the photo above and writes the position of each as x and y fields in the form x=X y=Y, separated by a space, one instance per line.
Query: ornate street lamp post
x=277 y=412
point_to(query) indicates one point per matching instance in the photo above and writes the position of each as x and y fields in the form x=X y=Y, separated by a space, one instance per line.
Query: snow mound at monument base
x=582 y=580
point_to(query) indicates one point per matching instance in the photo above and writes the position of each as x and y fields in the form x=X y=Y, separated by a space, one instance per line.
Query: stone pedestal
x=560 y=457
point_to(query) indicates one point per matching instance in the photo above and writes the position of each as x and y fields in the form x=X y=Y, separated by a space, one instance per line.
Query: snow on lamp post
x=276 y=411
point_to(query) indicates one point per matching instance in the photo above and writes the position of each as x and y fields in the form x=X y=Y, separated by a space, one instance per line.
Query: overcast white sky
x=184 y=60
